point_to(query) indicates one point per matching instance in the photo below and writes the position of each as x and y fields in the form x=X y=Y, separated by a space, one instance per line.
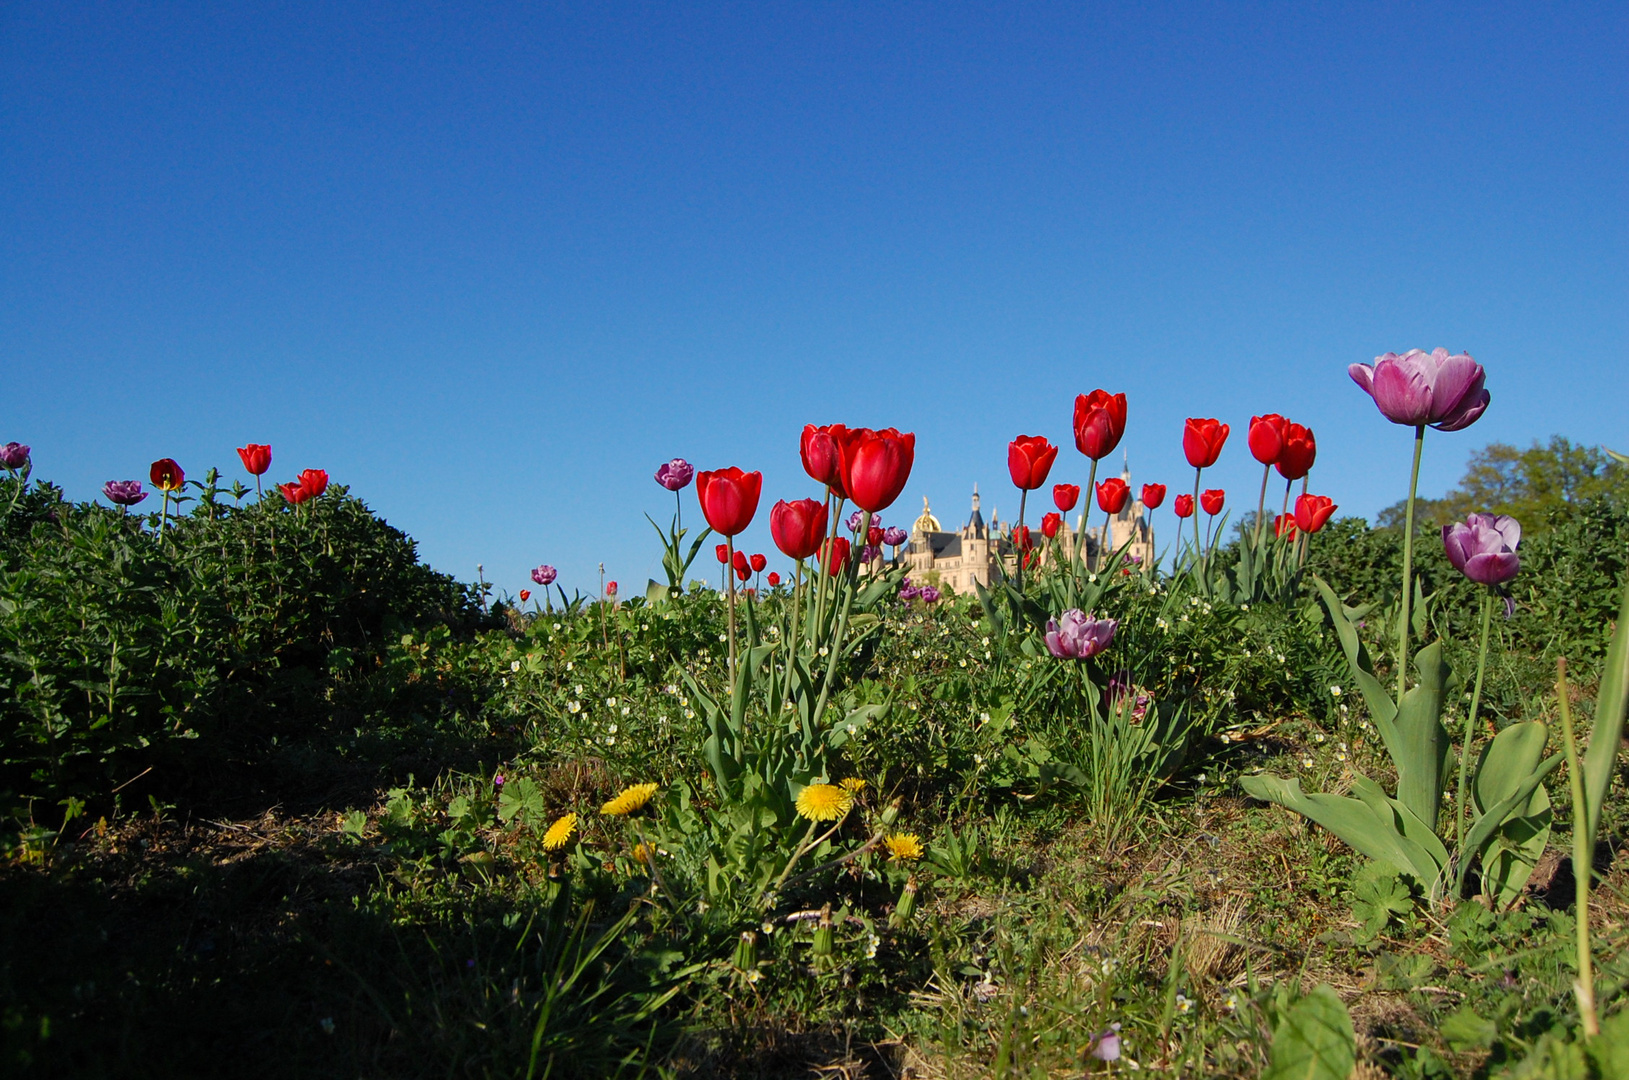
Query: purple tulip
x=854 y=520
x=869 y=553
x=929 y=594
x=14 y=456
x=124 y=492
x=544 y=575
x=1484 y=547
x=894 y=536
x=676 y=474
x=1106 y=1044
x=1425 y=388
x=1076 y=635
x=909 y=593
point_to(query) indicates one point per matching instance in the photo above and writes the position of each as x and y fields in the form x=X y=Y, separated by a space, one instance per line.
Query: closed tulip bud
x=1266 y=437
x=256 y=458
x=797 y=527
x=894 y=536
x=1050 y=524
x=740 y=562
x=525 y=595
x=167 y=475
x=1483 y=547
x=774 y=580
x=315 y=482
x=1284 y=525
x=1021 y=537
x=1029 y=459
x=294 y=493
x=834 y=555
x=1112 y=495
x=1183 y=506
x=1153 y=495
x=1065 y=496
x=1311 y=511
x=611 y=589
x=822 y=458
x=723 y=552
x=758 y=563
x=906 y=908
x=1212 y=501
x=1202 y=441
x=1100 y=421
x=729 y=498
x=1300 y=450
x=14 y=456
x=675 y=475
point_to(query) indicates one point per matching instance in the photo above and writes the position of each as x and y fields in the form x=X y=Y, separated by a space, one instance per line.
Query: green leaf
x=1314 y=1041
x=1422 y=740
x=1465 y=1030
x=1482 y=832
x=1507 y=761
x=1353 y=821
x=1600 y=760
x=1378 y=894
x=1381 y=706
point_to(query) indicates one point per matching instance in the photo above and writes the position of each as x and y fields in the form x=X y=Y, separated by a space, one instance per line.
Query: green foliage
x=1314 y=1040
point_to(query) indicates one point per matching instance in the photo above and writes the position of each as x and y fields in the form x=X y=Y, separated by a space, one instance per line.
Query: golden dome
x=927 y=522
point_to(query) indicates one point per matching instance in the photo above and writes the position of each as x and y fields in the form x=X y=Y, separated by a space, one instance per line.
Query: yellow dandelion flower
x=632 y=798
x=643 y=853
x=904 y=846
x=823 y=802
x=852 y=784
x=560 y=832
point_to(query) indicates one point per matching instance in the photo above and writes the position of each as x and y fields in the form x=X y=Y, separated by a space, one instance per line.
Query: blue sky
x=491 y=264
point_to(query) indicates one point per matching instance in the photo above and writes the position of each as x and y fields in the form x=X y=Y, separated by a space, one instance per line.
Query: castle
x=955 y=560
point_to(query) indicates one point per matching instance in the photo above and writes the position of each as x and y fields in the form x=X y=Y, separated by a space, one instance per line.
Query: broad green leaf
x=1517 y=846
x=1351 y=820
x=1489 y=823
x=1508 y=760
x=1600 y=760
x=1464 y=1030
x=1314 y=1041
x=1416 y=833
x=1421 y=738
x=1381 y=706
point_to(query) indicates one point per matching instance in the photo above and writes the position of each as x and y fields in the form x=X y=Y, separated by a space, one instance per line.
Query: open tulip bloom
x=1074 y=635
x=123 y=493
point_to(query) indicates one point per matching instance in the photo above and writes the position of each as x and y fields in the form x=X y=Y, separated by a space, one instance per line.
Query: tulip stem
x=1470 y=723
x=1198 y=549
x=1583 y=862
x=1408 y=566
x=1085 y=511
x=729 y=577
x=1018 y=534
x=797 y=621
x=1261 y=503
x=851 y=573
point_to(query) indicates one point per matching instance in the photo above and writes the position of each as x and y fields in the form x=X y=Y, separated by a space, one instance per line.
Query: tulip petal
x=1469 y=411
x=1363 y=375
x=1402 y=391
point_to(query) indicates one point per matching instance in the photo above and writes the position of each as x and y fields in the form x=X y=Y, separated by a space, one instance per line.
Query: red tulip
x=1202 y=441
x=1266 y=437
x=821 y=452
x=1183 y=506
x=1021 y=536
x=1284 y=525
x=255 y=458
x=758 y=563
x=1300 y=451
x=743 y=572
x=873 y=536
x=740 y=563
x=1153 y=495
x=774 y=580
x=611 y=589
x=723 y=552
x=1312 y=511
x=1029 y=459
x=1064 y=496
x=295 y=493
x=798 y=527
x=315 y=481
x=1212 y=501
x=525 y=595
x=1100 y=421
x=167 y=475
x=1050 y=524
x=876 y=465
x=1112 y=495
x=834 y=555
x=729 y=498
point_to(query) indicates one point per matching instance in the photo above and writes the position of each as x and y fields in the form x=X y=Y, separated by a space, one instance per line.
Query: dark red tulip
x=743 y=572
x=1112 y=495
x=873 y=536
x=1100 y=421
x=1021 y=536
x=1202 y=441
x=167 y=475
x=774 y=580
x=1153 y=495
x=723 y=552
x=1065 y=496
x=525 y=595
x=315 y=481
x=1029 y=459
x=758 y=563
x=822 y=456
x=729 y=498
x=740 y=563
x=834 y=555
x=1284 y=525
x=1050 y=524
x=1212 y=501
x=1300 y=451
x=1183 y=506
x=295 y=493
x=1312 y=511
x=1266 y=437
x=255 y=458
x=798 y=527
x=876 y=465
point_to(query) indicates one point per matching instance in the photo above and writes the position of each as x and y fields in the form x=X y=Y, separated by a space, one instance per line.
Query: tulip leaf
x=1606 y=737
x=1353 y=821
x=1508 y=760
x=1517 y=846
x=1432 y=854
x=1381 y=706
x=1491 y=821
x=1423 y=740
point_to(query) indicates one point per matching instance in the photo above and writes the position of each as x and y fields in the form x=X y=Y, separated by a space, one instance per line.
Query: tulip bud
x=723 y=553
x=823 y=936
x=906 y=908
x=758 y=563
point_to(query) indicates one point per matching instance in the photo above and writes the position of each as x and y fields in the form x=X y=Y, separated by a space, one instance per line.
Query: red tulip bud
x=1266 y=437
x=1212 y=501
x=1153 y=495
x=1065 y=496
x=723 y=552
x=1183 y=506
x=1050 y=524
x=1112 y=495
x=758 y=563
x=1029 y=459
x=1202 y=441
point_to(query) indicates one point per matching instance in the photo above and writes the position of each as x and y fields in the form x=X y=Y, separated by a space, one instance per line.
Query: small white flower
x=822 y=650
x=557 y=626
x=1306 y=762
x=569 y=665
x=690 y=714
x=578 y=690
x=1335 y=691
x=610 y=740
x=1318 y=736
x=612 y=729
x=514 y=665
x=610 y=702
x=1231 y=1001
x=984 y=718
x=1183 y=1004
x=723 y=637
x=662 y=719
x=575 y=706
